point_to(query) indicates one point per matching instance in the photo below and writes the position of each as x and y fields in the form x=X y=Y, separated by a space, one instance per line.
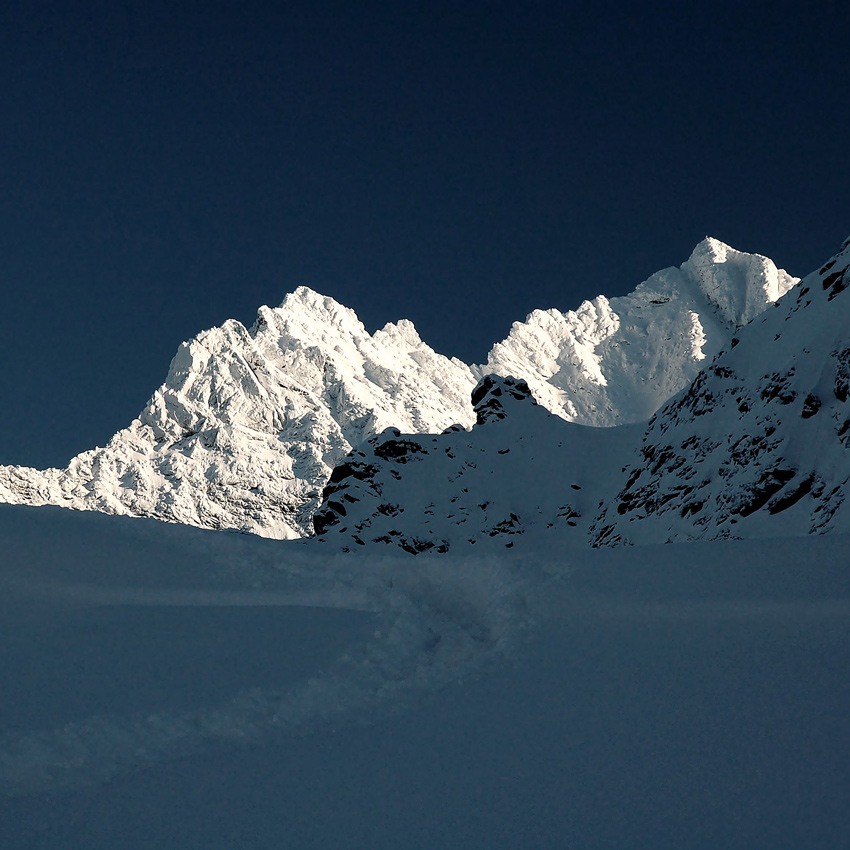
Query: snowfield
x=172 y=687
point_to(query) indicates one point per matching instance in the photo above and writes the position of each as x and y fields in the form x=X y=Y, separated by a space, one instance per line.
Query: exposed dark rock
x=811 y=406
x=770 y=483
x=400 y=451
x=488 y=395
x=792 y=496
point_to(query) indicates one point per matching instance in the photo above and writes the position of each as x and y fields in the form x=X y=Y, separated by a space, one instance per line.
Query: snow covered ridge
x=759 y=444
x=248 y=425
x=520 y=473
x=616 y=361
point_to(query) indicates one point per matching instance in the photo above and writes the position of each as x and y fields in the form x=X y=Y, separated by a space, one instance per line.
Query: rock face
x=759 y=444
x=248 y=425
x=520 y=472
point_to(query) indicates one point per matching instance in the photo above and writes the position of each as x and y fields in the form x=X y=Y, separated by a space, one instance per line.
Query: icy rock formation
x=249 y=423
x=615 y=361
x=759 y=444
x=520 y=471
x=245 y=430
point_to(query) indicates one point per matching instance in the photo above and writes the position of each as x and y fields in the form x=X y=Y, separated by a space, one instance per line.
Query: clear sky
x=166 y=166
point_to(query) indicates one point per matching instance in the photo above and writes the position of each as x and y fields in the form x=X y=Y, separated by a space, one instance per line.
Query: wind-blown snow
x=248 y=425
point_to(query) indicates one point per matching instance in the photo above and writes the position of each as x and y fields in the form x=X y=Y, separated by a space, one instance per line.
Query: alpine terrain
x=755 y=446
x=248 y=425
x=465 y=652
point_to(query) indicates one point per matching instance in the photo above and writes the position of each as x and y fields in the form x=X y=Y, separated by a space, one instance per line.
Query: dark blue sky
x=167 y=166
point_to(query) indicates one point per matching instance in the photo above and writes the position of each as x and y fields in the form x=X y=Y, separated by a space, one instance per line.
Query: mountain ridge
x=249 y=423
x=757 y=445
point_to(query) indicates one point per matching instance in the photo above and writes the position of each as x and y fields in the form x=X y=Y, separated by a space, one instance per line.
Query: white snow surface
x=171 y=687
x=248 y=425
x=616 y=361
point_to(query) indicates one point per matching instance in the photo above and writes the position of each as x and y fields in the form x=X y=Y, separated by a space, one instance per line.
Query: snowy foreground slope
x=248 y=425
x=175 y=688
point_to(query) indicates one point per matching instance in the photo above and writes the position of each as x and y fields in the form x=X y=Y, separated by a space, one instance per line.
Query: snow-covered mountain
x=759 y=444
x=616 y=361
x=248 y=425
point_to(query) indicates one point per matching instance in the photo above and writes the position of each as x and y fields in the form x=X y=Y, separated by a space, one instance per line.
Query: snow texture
x=756 y=446
x=427 y=626
x=758 y=443
x=520 y=473
x=616 y=361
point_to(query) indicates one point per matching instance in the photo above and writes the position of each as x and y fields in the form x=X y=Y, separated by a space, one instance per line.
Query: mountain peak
x=308 y=307
x=714 y=248
x=737 y=284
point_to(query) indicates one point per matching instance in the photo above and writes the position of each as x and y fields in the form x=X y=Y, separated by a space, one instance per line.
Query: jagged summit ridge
x=615 y=361
x=737 y=284
x=758 y=445
x=249 y=423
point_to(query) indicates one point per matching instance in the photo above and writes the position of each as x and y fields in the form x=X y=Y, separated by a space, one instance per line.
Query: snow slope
x=521 y=472
x=759 y=444
x=245 y=430
x=175 y=688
